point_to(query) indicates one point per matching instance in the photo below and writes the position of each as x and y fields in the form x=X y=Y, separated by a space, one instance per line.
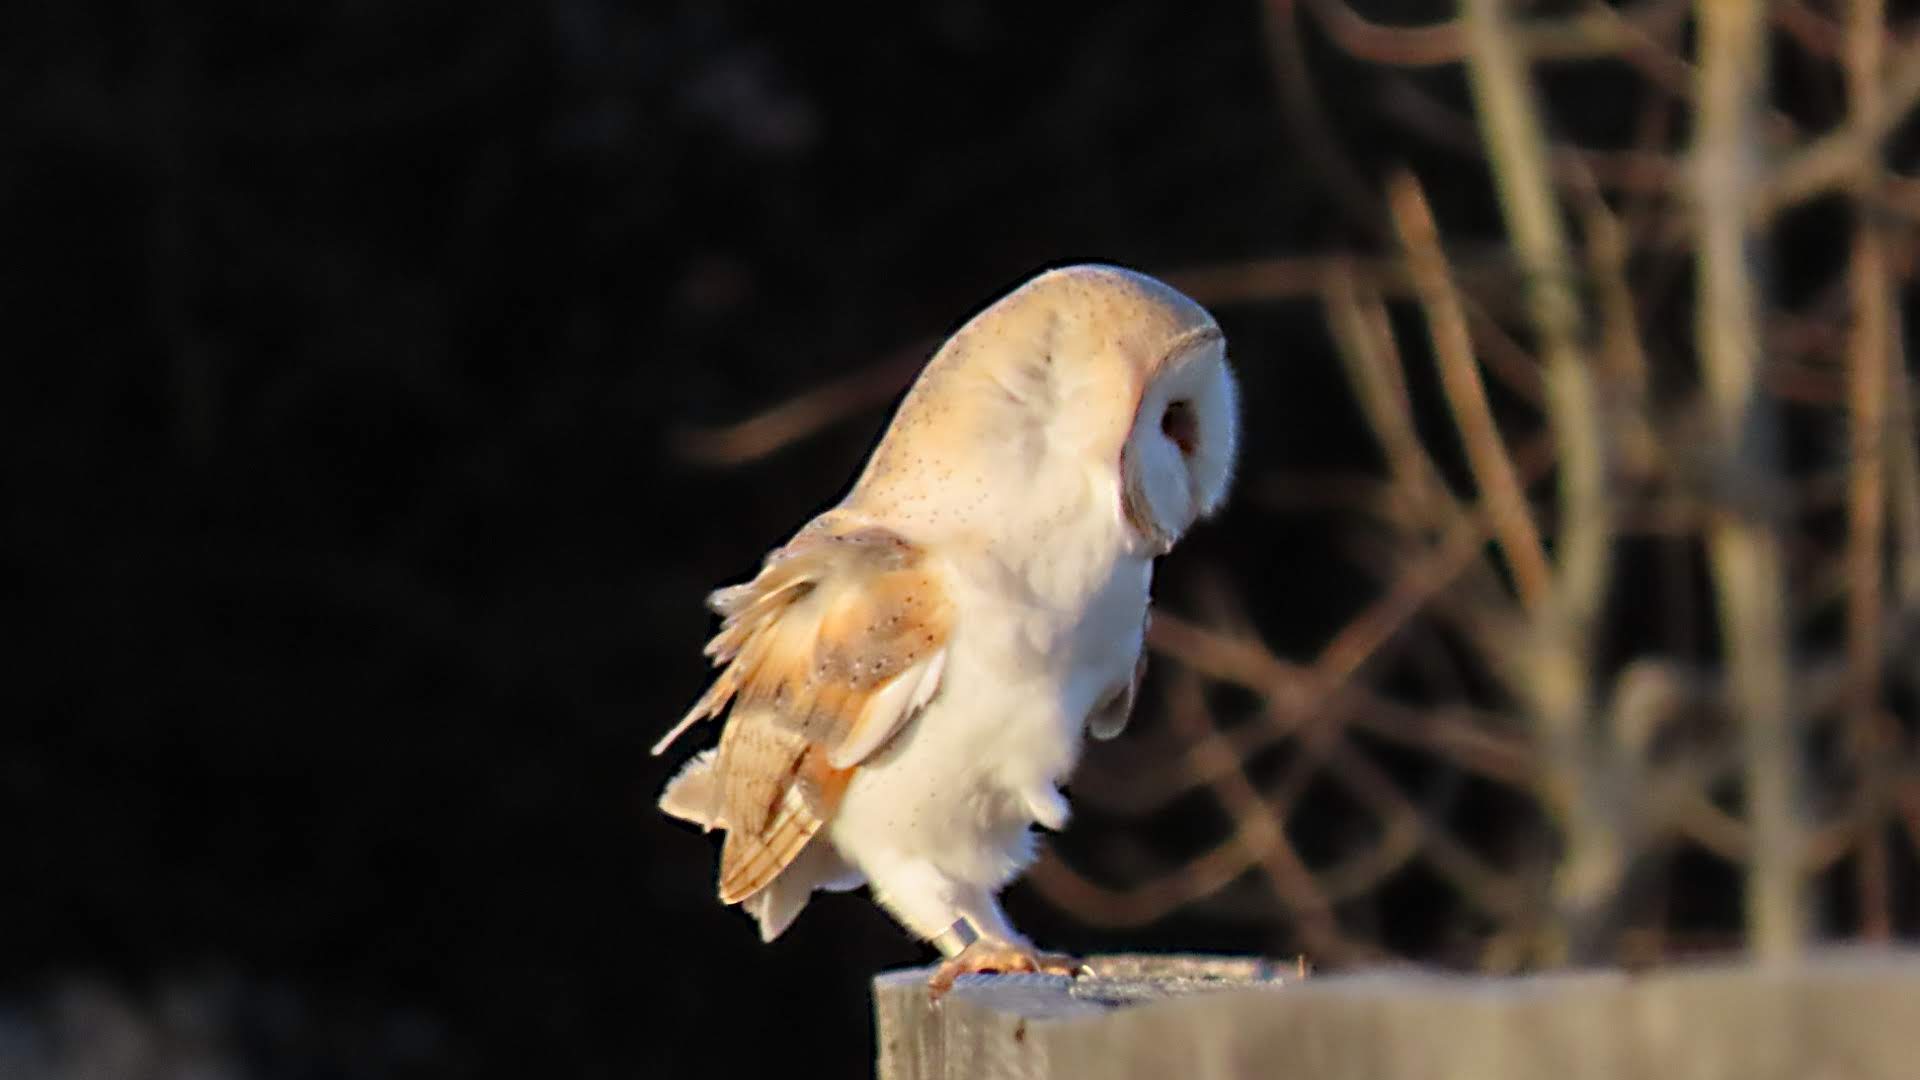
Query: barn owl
x=906 y=681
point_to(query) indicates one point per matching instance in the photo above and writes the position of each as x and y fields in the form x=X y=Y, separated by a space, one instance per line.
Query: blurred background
x=386 y=384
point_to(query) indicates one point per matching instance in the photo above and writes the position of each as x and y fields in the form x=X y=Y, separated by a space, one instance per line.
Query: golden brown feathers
x=824 y=655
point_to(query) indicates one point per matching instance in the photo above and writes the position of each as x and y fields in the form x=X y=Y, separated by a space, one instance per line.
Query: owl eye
x=1180 y=425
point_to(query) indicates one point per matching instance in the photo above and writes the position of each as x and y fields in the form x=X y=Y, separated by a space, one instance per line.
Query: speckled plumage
x=910 y=677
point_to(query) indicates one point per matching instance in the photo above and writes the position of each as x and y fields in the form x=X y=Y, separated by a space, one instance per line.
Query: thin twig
x=804 y=414
x=1262 y=834
x=1364 y=340
x=1813 y=31
x=1321 y=491
x=1641 y=211
x=1480 y=884
x=1283 y=277
x=1293 y=690
x=1834 y=160
x=1596 y=32
x=1351 y=190
x=1902 y=448
x=1502 y=356
x=1492 y=468
x=1636 y=171
x=1623 y=356
x=1682 y=806
x=1145 y=902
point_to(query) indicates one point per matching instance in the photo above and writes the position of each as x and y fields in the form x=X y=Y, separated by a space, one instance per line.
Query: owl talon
x=992 y=956
x=1054 y=963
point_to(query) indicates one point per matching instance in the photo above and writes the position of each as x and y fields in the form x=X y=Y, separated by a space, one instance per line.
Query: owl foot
x=994 y=956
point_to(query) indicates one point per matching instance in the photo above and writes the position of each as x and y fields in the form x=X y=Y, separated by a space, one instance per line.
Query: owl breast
x=1040 y=640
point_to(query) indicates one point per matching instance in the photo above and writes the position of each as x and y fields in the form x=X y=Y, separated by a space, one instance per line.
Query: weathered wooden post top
x=1851 y=1013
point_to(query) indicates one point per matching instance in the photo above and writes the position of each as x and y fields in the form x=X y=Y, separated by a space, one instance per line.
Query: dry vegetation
x=1634 y=600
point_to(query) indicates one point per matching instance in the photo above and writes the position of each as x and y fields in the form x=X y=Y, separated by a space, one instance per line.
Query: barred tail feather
x=749 y=864
x=817 y=867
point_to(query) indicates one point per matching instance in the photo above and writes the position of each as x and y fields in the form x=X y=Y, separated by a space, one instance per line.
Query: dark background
x=349 y=355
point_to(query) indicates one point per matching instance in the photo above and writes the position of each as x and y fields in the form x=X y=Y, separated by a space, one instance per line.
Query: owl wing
x=1110 y=718
x=837 y=642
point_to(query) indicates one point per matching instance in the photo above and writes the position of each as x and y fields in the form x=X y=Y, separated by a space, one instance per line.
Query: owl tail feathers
x=818 y=866
x=694 y=794
x=776 y=906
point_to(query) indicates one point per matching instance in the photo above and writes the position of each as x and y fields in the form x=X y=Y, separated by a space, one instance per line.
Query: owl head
x=1086 y=371
x=1176 y=461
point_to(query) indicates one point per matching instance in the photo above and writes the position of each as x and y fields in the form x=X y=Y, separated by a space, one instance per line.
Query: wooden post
x=1846 y=1013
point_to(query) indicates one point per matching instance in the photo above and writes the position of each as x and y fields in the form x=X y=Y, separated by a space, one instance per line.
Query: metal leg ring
x=954 y=939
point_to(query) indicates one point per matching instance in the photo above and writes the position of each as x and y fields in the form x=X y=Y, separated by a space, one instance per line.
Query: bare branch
x=1745 y=552
x=1365 y=344
x=804 y=414
x=1447 y=325
x=1902 y=449
x=1295 y=691
x=1297 y=277
x=1639 y=171
x=1867 y=371
x=1262 y=834
x=1597 y=32
x=1517 y=144
x=1835 y=160
x=1350 y=188
x=1813 y=31
x=1484 y=887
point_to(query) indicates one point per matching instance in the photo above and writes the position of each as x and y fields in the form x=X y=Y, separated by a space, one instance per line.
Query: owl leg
x=920 y=897
x=964 y=921
x=982 y=908
x=996 y=947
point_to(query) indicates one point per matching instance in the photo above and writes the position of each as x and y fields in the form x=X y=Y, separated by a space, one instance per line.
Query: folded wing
x=837 y=642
